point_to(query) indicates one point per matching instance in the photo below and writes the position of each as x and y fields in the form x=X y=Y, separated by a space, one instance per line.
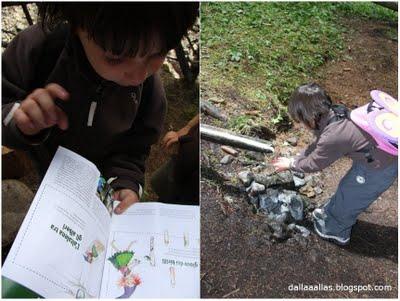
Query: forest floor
x=237 y=262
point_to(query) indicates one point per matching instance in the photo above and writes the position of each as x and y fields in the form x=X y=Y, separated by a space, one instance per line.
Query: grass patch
x=367 y=10
x=241 y=124
x=265 y=50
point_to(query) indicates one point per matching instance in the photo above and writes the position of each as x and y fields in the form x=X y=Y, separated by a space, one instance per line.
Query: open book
x=71 y=245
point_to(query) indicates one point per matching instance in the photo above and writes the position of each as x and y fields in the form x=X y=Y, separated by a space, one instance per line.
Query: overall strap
x=342 y=112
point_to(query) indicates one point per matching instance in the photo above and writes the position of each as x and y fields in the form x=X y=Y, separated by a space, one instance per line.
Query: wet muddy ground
x=237 y=260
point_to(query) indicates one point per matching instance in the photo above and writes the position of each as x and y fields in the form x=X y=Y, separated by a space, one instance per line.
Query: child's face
x=125 y=71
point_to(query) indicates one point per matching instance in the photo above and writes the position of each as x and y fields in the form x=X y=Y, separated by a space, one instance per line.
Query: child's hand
x=281 y=164
x=38 y=111
x=127 y=198
x=169 y=139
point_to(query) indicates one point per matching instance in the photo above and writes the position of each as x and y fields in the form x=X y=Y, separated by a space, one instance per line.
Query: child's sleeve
x=19 y=62
x=127 y=160
x=322 y=153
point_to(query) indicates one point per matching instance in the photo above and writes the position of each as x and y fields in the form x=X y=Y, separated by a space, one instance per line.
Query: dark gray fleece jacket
x=126 y=121
x=337 y=139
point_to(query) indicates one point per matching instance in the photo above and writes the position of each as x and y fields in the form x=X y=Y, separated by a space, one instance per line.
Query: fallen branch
x=221 y=136
x=231 y=293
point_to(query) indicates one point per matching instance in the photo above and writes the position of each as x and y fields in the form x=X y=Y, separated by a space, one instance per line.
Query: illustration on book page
x=124 y=262
x=105 y=192
x=92 y=253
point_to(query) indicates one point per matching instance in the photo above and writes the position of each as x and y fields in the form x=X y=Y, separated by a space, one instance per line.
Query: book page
x=153 y=252
x=59 y=250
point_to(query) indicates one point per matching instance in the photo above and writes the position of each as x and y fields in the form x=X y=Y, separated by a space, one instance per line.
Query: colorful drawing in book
x=124 y=262
x=95 y=248
x=105 y=192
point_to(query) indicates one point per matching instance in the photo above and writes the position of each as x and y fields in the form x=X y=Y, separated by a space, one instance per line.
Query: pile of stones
x=276 y=196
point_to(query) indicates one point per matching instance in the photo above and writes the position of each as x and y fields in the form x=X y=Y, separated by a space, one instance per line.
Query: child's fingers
x=168 y=136
x=62 y=119
x=116 y=195
x=45 y=101
x=164 y=141
x=170 y=142
x=34 y=112
x=123 y=205
x=24 y=123
x=56 y=91
x=127 y=198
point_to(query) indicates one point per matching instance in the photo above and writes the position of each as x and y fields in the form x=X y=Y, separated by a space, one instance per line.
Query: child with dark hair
x=86 y=78
x=373 y=170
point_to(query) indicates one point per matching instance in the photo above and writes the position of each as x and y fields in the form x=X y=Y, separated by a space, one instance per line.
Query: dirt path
x=238 y=262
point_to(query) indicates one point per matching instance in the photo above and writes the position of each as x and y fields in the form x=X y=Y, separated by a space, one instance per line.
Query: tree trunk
x=183 y=63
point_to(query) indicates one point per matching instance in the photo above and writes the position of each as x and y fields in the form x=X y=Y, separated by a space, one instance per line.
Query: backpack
x=380 y=119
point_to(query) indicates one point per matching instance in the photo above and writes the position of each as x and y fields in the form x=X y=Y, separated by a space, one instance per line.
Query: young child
x=373 y=170
x=86 y=78
x=177 y=180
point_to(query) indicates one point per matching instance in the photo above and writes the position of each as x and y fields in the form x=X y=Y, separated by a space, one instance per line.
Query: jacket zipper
x=93 y=105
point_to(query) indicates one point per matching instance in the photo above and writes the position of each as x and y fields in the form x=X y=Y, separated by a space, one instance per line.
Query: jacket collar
x=324 y=122
x=82 y=64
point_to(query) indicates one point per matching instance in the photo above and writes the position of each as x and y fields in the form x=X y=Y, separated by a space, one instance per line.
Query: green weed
x=265 y=50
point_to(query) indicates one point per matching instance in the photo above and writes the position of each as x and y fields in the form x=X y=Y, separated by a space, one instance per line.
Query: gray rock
x=296 y=208
x=282 y=178
x=253 y=200
x=298 y=182
x=298 y=174
x=16 y=199
x=318 y=190
x=308 y=178
x=246 y=177
x=284 y=208
x=284 y=197
x=292 y=141
x=258 y=168
x=256 y=156
x=303 y=231
x=271 y=217
x=269 y=201
x=255 y=188
x=282 y=218
x=277 y=230
x=226 y=159
x=311 y=180
x=302 y=241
